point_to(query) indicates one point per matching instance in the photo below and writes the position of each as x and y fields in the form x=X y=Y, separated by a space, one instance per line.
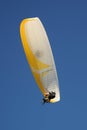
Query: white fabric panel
x=38 y=41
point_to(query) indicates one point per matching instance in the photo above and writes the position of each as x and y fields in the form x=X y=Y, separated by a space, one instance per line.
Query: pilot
x=51 y=95
x=48 y=97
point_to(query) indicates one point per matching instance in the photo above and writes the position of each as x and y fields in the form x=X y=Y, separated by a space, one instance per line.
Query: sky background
x=20 y=99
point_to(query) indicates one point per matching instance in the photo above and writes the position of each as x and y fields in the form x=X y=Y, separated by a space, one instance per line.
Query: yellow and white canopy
x=39 y=56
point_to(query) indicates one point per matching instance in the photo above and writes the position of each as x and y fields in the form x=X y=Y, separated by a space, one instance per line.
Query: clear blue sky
x=20 y=99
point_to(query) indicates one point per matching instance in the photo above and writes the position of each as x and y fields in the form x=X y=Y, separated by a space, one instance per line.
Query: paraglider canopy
x=40 y=58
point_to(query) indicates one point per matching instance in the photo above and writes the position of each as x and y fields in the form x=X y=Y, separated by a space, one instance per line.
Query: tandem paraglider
x=40 y=58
